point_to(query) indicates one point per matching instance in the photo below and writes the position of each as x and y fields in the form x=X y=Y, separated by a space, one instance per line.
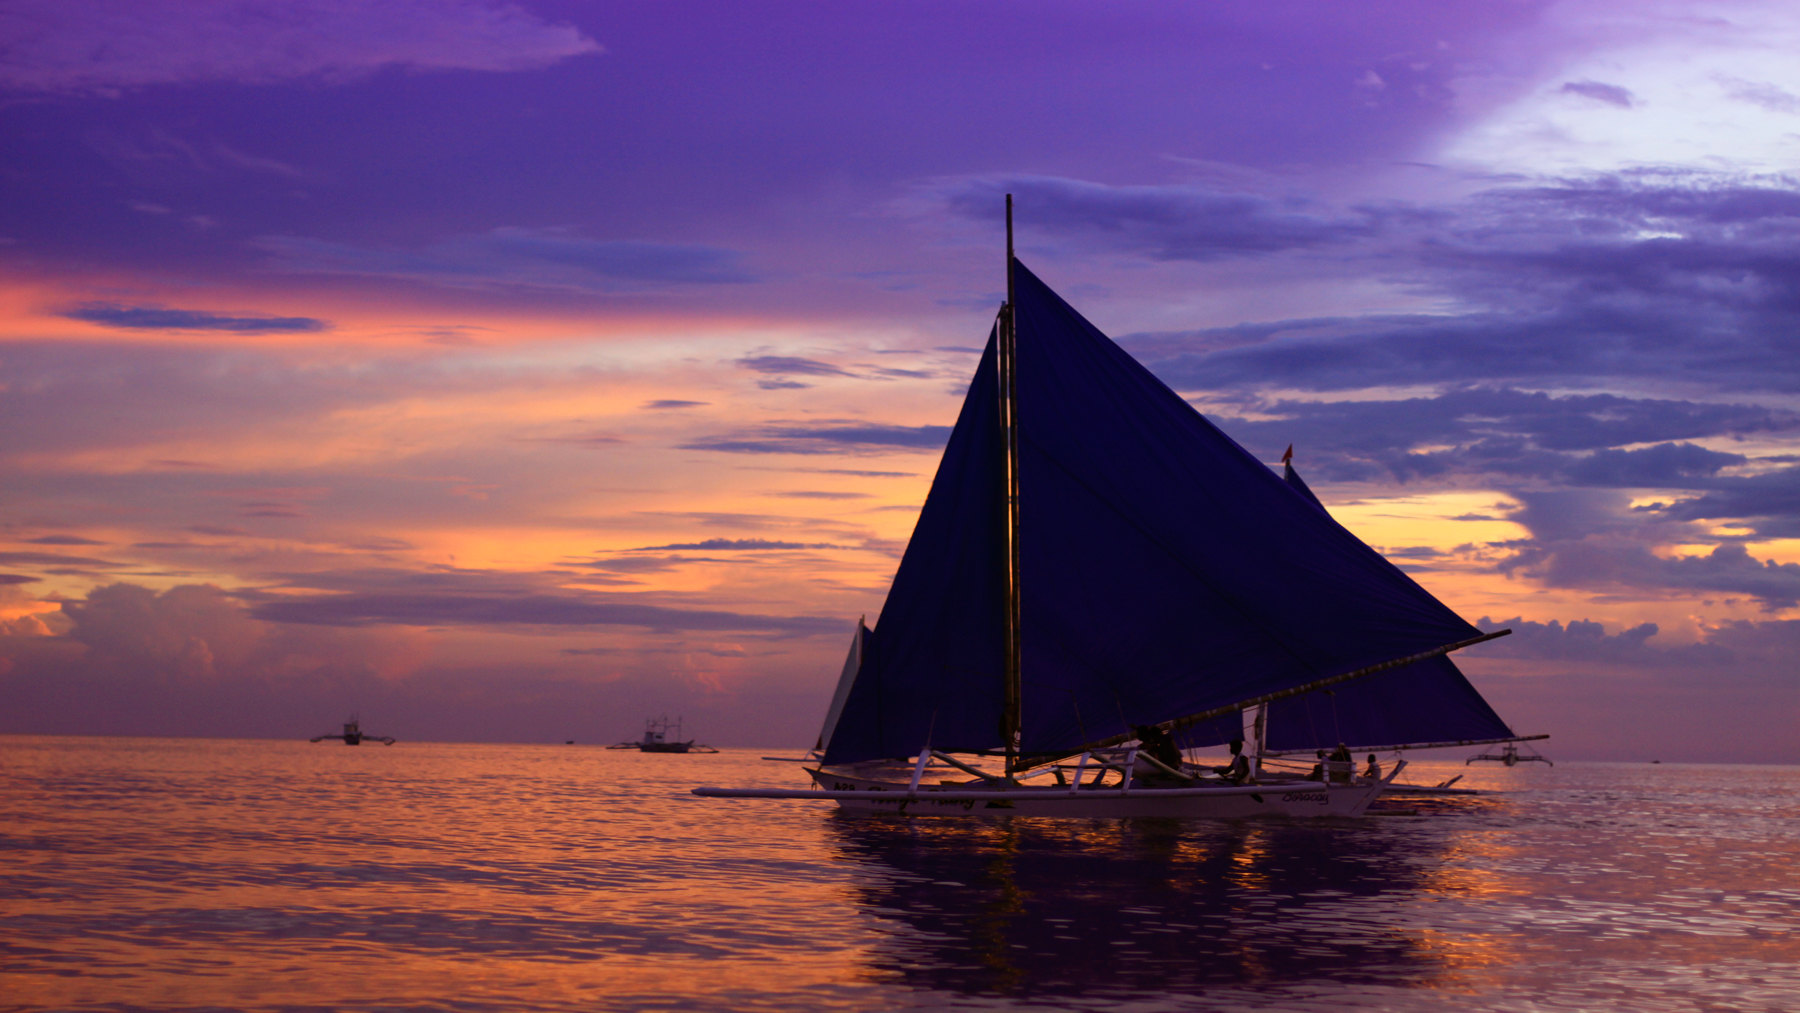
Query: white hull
x=872 y=795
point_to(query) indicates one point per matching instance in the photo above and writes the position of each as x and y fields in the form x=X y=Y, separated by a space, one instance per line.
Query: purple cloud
x=1508 y=432
x=1610 y=94
x=787 y=365
x=1770 y=501
x=150 y=318
x=53 y=559
x=508 y=257
x=1760 y=93
x=525 y=610
x=826 y=438
x=1589 y=540
x=1169 y=222
x=1667 y=465
x=753 y=544
x=105 y=46
x=1586 y=640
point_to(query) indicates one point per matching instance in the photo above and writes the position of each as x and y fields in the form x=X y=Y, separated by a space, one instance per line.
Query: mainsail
x=1164 y=571
x=1428 y=702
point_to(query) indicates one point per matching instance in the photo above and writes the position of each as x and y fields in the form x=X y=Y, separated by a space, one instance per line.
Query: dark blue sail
x=1426 y=702
x=1164 y=570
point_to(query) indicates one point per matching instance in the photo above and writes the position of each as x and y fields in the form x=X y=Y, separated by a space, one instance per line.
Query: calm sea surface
x=169 y=874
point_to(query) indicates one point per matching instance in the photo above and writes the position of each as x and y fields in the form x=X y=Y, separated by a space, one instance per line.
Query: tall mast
x=1009 y=426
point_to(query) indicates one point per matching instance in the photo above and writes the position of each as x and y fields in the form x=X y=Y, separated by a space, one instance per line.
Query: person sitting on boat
x=1373 y=770
x=1238 y=770
x=1340 y=764
x=1160 y=746
x=1318 y=771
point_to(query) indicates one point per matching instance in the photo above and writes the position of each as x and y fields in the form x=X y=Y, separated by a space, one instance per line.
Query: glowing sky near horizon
x=516 y=370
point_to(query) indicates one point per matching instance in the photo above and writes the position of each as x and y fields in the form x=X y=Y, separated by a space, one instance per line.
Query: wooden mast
x=1009 y=427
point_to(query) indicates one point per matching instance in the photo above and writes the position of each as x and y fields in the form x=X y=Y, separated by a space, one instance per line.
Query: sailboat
x=1097 y=566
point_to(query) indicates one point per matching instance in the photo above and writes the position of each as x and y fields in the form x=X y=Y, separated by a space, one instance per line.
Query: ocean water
x=170 y=874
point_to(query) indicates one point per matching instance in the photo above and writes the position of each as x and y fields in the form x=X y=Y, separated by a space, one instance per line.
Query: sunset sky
x=517 y=371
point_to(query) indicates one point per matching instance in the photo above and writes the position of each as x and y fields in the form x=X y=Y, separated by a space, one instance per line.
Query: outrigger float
x=1100 y=579
x=1166 y=793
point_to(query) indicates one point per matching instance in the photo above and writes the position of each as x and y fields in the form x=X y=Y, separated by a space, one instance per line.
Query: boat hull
x=1311 y=801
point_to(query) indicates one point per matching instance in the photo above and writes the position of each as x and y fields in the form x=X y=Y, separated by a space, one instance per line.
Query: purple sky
x=519 y=370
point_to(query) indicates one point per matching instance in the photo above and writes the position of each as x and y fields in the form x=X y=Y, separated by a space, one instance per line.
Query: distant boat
x=662 y=735
x=353 y=735
x=1509 y=754
x=1097 y=570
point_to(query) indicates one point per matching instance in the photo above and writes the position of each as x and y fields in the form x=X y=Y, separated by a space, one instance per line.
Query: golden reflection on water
x=241 y=875
x=171 y=874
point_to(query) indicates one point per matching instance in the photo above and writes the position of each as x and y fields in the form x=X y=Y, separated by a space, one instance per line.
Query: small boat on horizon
x=1509 y=754
x=353 y=735
x=662 y=735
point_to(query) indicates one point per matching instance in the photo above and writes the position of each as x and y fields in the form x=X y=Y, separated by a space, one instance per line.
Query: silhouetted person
x=1373 y=770
x=1159 y=745
x=1340 y=764
x=1318 y=771
x=1238 y=770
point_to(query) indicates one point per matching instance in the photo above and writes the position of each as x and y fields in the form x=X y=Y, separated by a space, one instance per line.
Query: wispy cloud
x=825 y=438
x=1610 y=94
x=537 y=258
x=152 y=318
x=1603 y=440
x=1166 y=222
x=787 y=365
x=738 y=544
x=53 y=560
x=1633 y=277
x=1774 y=98
x=525 y=610
x=105 y=46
